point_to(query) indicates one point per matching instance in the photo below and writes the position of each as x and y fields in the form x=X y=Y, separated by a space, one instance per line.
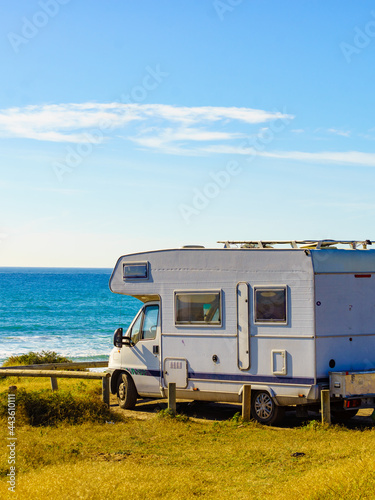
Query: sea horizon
x=70 y=311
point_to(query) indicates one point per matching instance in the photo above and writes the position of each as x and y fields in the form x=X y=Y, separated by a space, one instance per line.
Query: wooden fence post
x=246 y=402
x=326 y=406
x=54 y=385
x=172 y=397
x=105 y=390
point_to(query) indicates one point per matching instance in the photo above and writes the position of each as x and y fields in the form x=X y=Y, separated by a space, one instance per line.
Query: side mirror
x=117 y=337
x=119 y=340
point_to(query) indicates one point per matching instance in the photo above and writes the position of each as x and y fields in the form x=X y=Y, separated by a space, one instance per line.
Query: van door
x=243 y=340
x=142 y=358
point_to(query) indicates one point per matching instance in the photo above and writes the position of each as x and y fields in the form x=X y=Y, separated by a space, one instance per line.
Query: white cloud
x=345 y=157
x=74 y=122
x=211 y=114
x=63 y=122
x=338 y=157
x=343 y=133
x=167 y=129
x=174 y=141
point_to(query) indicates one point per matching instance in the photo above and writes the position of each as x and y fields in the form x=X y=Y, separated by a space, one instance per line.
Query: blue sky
x=129 y=126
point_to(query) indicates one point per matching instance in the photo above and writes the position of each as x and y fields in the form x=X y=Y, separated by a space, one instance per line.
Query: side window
x=198 y=308
x=270 y=305
x=150 y=322
x=145 y=325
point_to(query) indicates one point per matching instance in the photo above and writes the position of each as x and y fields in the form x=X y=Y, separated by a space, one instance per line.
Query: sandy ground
x=204 y=411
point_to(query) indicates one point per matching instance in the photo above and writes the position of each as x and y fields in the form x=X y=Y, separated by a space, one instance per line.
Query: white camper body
x=213 y=320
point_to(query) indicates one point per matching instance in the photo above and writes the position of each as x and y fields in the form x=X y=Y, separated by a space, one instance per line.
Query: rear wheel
x=126 y=392
x=264 y=409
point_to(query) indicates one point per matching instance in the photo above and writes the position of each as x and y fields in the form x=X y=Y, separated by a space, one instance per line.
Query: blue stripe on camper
x=251 y=378
x=241 y=377
x=143 y=371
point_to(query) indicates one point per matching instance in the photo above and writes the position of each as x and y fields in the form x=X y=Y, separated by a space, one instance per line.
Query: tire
x=126 y=392
x=264 y=410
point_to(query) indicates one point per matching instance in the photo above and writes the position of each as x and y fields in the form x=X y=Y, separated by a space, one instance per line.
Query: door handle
x=155 y=349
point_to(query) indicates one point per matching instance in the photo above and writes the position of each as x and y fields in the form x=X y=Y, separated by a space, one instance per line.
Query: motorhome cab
x=288 y=318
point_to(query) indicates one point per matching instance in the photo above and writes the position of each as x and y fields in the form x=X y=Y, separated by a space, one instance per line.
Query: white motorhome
x=288 y=318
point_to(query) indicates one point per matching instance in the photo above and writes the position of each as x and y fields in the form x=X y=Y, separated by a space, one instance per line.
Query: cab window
x=150 y=322
x=145 y=325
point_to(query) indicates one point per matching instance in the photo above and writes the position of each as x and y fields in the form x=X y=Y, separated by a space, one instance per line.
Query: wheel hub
x=121 y=391
x=263 y=406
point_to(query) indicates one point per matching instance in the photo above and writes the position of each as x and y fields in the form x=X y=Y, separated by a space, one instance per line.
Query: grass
x=183 y=458
x=43 y=407
x=169 y=458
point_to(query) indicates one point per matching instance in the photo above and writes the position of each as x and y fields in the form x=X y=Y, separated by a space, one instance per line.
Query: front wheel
x=264 y=409
x=126 y=392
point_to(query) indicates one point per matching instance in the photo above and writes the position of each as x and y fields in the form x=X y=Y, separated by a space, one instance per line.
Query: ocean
x=69 y=311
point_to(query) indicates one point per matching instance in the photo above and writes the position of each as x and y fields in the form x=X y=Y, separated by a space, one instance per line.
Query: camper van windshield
x=197 y=308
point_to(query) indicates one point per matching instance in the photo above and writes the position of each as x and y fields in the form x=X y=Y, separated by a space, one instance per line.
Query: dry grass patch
x=171 y=458
x=180 y=458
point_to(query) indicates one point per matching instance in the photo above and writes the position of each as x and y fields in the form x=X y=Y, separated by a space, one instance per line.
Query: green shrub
x=36 y=358
x=168 y=413
x=43 y=407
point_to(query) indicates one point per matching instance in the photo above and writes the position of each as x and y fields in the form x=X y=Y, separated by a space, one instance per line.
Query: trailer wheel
x=264 y=409
x=126 y=392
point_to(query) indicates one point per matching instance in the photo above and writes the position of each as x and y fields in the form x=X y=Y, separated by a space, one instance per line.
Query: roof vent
x=193 y=246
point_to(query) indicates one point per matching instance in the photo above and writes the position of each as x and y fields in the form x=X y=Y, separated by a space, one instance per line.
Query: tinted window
x=270 y=305
x=135 y=271
x=197 y=308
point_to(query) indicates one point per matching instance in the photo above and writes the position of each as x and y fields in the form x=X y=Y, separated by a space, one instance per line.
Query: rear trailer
x=355 y=389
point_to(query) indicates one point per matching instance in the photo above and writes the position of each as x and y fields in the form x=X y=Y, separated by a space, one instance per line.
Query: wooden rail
x=58 y=366
x=49 y=370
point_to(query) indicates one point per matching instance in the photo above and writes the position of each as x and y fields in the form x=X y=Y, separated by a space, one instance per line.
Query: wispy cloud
x=73 y=122
x=338 y=157
x=179 y=140
x=178 y=130
x=63 y=122
x=343 y=133
x=297 y=131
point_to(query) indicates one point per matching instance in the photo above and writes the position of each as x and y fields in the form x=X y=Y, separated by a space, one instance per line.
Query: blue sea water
x=69 y=311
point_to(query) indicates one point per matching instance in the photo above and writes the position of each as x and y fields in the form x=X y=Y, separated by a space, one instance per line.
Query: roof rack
x=299 y=244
